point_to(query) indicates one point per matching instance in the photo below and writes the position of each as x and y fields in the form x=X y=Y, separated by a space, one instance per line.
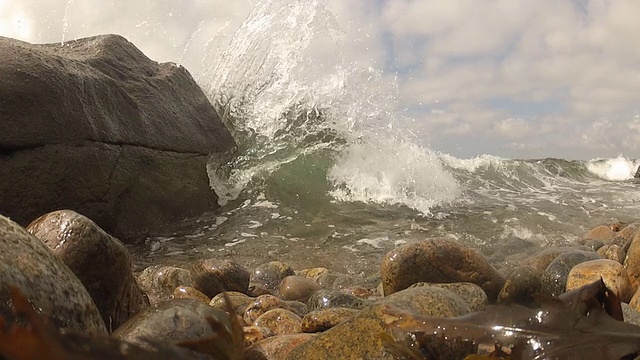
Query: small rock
x=554 y=278
x=439 y=260
x=159 y=282
x=612 y=252
x=611 y=272
x=325 y=298
x=296 y=287
x=602 y=232
x=321 y=320
x=271 y=274
x=100 y=261
x=239 y=301
x=313 y=273
x=276 y=347
x=539 y=262
x=187 y=292
x=213 y=276
x=264 y=303
x=280 y=321
x=472 y=294
x=520 y=287
x=253 y=334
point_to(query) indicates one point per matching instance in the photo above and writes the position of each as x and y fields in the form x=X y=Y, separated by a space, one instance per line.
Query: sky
x=511 y=78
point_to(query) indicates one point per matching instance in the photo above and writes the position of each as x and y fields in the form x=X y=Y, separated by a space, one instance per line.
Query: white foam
x=614 y=169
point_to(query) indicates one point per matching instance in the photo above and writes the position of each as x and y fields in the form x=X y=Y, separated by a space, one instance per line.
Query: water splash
x=614 y=169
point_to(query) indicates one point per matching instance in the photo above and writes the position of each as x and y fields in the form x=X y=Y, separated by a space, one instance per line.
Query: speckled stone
x=238 y=300
x=628 y=232
x=296 y=287
x=630 y=315
x=611 y=272
x=472 y=294
x=554 y=278
x=321 y=320
x=325 y=298
x=360 y=336
x=159 y=281
x=253 y=334
x=280 y=321
x=213 y=276
x=520 y=287
x=50 y=286
x=612 y=252
x=264 y=303
x=276 y=347
x=100 y=261
x=602 y=232
x=172 y=320
x=313 y=273
x=539 y=261
x=632 y=262
x=439 y=260
x=188 y=292
x=271 y=274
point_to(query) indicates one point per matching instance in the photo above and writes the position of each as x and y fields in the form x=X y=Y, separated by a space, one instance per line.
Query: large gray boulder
x=95 y=126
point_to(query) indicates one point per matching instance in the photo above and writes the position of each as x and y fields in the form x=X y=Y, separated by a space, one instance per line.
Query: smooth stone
x=256 y=289
x=53 y=290
x=280 y=321
x=188 y=292
x=239 y=301
x=628 y=232
x=159 y=281
x=554 y=278
x=439 y=260
x=296 y=287
x=254 y=334
x=271 y=274
x=325 y=319
x=276 y=347
x=539 y=261
x=360 y=336
x=612 y=273
x=632 y=261
x=313 y=273
x=520 y=287
x=100 y=261
x=173 y=320
x=326 y=298
x=593 y=244
x=213 y=276
x=603 y=233
x=612 y=252
x=472 y=294
x=264 y=303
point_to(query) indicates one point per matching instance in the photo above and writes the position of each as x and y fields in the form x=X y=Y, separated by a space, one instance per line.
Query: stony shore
x=276 y=312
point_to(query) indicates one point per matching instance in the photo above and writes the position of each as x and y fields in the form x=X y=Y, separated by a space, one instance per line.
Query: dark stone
x=213 y=276
x=554 y=278
x=520 y=287
x=472 y=294
x=296 y=287
x=50 y=286
x=264 y=303
x=271 y=274
x=159 y=281
x=325 y=298
x=97 y=127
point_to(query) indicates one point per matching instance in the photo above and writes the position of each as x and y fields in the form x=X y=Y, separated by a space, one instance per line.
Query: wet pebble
x=188 y=292
x=280 y=321
x=612 y=252
x=321 y=320
x=296 y=287
x=472 y=294
x=520 y=287
x=611 y=272
x=264 y=303
x=554 y=278
x=313 y=273
x=159 y=281
x=239 y=301
x=253 y=334
x=276 y=347
x=213 y=276
x=326 y=298
x=271 y=274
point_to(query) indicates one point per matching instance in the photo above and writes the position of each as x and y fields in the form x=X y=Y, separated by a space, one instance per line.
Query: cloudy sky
x=513 y=78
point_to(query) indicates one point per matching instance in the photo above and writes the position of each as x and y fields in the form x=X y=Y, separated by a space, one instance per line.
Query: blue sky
x=512 y=78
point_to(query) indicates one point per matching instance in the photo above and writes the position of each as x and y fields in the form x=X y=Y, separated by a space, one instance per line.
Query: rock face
x=97 y=127
x=49 y=285
x=101 y=262
x=438 y=260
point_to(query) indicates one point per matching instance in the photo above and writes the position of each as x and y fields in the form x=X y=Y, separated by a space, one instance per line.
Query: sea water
x=329 y=173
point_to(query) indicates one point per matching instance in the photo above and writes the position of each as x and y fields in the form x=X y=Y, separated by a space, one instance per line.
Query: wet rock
x=602 y=232
x=98 y=127
x=280 y=321
x=632 y=262
x=159 y=281
x=239 y=301
x=520 y=287
x=253 y=334
x=264 y=303
x=325 y=298
x=213 y=276
x=612 y=252
x=50 y=286
x=628 y=232
x=593 y=244
x=321 y=320
x=554 y=278
x=360 y=336
x=187 y=292
x=611 y=272
x=101 y=262
x=256 y=290
x=271 y=274
x=439 y=260
x=313 y=273
x=296 y=287
x=539 y=262
x=173 y=320
x=276 y=347
x=472 y=294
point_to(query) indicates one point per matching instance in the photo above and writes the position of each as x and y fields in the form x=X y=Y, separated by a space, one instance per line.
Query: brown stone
x=313 y=273
x=48 y=284
x=239 y=301
x=611 y=272
x=520 y=287
x=296 y=287
x=602 y=232
x=280 y=321
x=276 y=347
x=100 y=261
x=213 y=276
x=539 y=262
x=160 y=281
x=439 y=260
x=187 y=292
x=98 y=127
x=271 y=274
x=264 y=303
x=612 y=252
x=253 y=334
x=472 y=294
x=632 y=262
x=321 y=320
